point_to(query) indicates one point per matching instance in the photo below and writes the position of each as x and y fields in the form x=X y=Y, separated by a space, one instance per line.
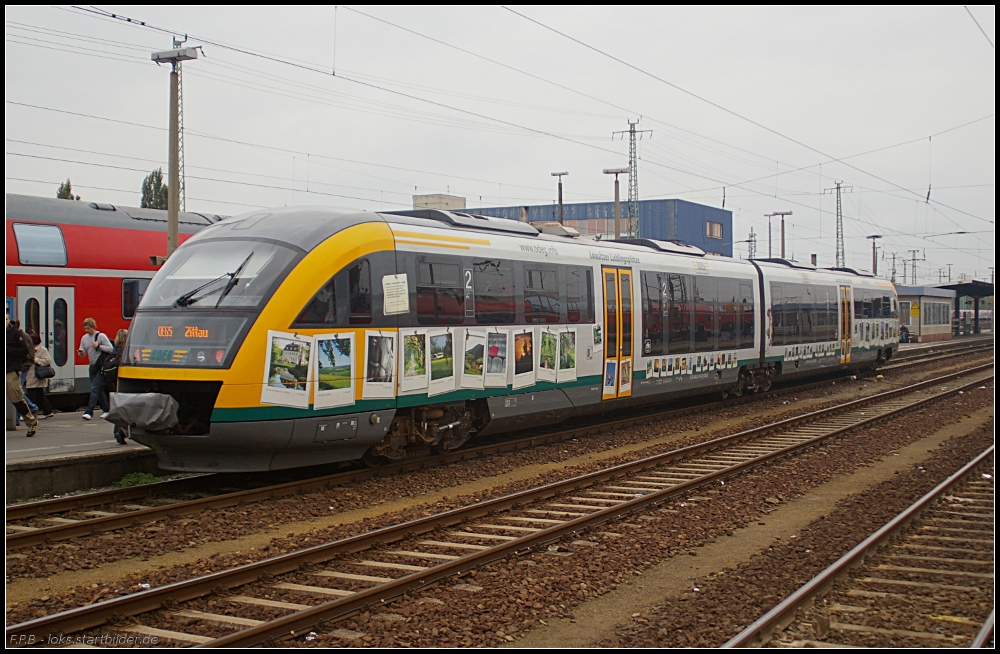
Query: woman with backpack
x=109 y=372
x=38 y=378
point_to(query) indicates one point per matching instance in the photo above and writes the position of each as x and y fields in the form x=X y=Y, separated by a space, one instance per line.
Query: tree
x=65 y=191
x=154 y=191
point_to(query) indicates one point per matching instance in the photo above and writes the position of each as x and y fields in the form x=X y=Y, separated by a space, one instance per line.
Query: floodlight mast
x=560 y=176
x=618 y=207
x=173 y=57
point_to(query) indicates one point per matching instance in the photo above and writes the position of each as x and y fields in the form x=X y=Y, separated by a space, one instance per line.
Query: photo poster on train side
x=474 y=360
x=414 y=371
x=380 y=365
x=548 y=356
x=498 y=344
x=566 y=369
x=441 y=347
x=625 y=374
x=598 y=337
x=524 y=358
x=333 y=370
x=286 y=370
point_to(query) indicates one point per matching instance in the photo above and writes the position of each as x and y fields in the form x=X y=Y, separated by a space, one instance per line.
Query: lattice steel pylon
x=839 y=188
x=180 y=127
x=632 y=210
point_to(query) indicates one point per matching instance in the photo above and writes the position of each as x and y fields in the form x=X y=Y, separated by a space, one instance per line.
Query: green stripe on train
x=256 y=414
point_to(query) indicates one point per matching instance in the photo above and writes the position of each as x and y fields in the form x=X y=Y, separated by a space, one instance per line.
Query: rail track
x=925 y=579
x=63 y=518
x=290 y=594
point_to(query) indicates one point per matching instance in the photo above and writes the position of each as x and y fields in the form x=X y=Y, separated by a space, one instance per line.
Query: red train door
x=48 y=312
x=618 y=333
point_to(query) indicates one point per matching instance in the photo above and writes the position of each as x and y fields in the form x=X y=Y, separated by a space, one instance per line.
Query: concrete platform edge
x=64 y=474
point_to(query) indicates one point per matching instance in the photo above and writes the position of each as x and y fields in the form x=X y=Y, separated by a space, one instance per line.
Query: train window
x=678 y=314
x=704 y=314
x=791 y=323
x=866 y=304
x=729 y=312
x=626 y=285
x=541 y=295
x=887 y=307
x=493 y=281
x=810 y=314
x=652 y=313
x=40 y=245
x=877 y=306
x=60 y=348
x=205 y=275
x=32 y=317
x=746 y=313
x=359 y=278
x=132 y=292
x=440 y=292
x=579 y=294
x=820 y=313
x=322 y=308
x=904 y=313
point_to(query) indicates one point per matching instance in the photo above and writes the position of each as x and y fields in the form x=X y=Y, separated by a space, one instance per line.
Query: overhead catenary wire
x=715 y=176
x=314 y=68
x=727 y=110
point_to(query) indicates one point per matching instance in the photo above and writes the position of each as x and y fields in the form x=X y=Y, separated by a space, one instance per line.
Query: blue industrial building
x=708 y=228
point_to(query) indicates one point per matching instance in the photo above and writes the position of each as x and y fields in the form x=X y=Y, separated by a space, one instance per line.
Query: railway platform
x=67 y=454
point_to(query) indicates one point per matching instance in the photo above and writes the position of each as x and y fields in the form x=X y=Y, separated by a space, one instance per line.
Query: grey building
x=708 y=228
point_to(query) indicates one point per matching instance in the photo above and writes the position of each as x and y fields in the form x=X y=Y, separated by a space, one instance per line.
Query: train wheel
x=373 y=460
x=737 y=391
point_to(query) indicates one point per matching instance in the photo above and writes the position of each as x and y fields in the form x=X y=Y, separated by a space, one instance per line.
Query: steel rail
x=86 y=527
x=196 y=482
x=99 y=498
x=784 y=613
x=94 y=615
x=24 y=539
x=985 y=636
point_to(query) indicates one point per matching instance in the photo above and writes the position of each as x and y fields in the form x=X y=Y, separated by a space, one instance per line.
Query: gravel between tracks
x=341 y=505
x=731 y=600
x=393 y=493
x=368 y=495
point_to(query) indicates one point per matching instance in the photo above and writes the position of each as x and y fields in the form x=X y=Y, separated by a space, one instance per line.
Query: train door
x=846 y=307
x=618 y=332
x=48 y=312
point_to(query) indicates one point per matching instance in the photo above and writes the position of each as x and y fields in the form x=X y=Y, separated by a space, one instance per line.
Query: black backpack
x=29 y=356
x=109 y=367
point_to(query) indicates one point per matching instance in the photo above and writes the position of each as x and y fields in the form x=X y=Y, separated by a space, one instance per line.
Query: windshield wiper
x=189 y=298
x=232 y=280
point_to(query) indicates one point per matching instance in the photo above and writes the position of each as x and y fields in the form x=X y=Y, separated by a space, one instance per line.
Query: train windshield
x=213 y=274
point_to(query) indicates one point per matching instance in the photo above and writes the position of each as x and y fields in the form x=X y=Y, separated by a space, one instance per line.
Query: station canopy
x=974 y=289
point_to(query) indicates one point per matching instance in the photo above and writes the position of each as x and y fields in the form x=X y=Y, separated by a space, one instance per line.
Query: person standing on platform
x=35 y=386
x=17 y=356
x=24 y=369
x=95 y=345
x=110 y=372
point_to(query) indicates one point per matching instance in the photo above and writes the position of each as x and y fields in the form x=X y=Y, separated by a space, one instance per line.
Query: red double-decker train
x=68 y=260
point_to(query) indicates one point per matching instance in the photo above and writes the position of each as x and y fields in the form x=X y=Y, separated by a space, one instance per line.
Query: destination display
x=203 y=342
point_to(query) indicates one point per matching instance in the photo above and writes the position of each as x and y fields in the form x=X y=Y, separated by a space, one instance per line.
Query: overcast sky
x=767 y=106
